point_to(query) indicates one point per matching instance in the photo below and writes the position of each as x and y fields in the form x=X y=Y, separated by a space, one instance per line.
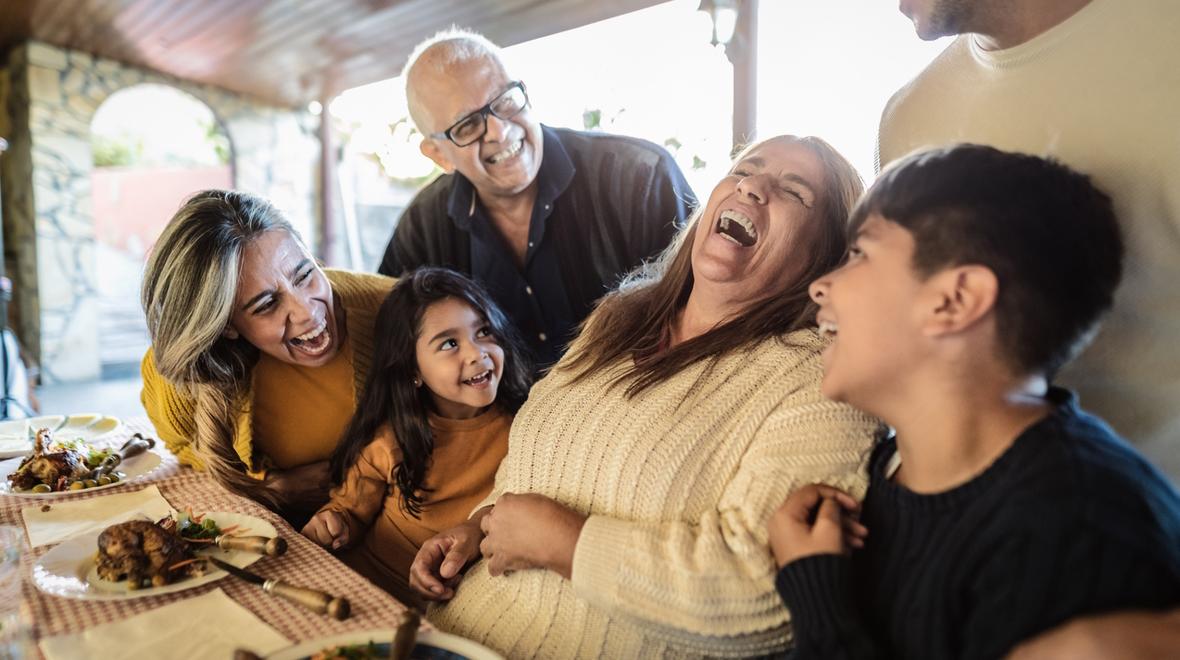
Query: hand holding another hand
x=815 y=520
x=437 y=568
x=530 y=531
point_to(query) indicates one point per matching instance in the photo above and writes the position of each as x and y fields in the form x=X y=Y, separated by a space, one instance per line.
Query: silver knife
x=317 y=601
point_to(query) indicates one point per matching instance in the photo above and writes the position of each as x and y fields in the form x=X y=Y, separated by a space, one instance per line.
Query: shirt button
x=530 y=243
x=528 y=290
x=542 y=336
x=546 y=207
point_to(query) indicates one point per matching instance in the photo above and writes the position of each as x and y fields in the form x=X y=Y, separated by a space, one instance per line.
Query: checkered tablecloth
x=305 y=564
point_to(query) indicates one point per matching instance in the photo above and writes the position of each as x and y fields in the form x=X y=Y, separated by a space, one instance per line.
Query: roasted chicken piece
x=43 y=466
x=143 y=553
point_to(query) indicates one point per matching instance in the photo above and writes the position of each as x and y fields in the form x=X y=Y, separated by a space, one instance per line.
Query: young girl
x=430 y=428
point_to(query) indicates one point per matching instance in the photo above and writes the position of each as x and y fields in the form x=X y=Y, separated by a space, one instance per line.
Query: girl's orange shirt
x=467 y=453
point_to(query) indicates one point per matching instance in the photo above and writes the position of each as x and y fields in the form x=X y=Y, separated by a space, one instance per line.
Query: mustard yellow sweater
x=172 y=411
x=678 y=483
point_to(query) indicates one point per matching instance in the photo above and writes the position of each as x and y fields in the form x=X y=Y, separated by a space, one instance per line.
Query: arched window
x=153 y=146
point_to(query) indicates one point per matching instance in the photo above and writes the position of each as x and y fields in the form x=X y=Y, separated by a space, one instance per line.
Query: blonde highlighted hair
x=189 y=288
x=632 y=321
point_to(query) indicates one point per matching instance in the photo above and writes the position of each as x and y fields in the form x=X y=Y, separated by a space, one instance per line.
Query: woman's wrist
x=560 y=556
x=475 y=522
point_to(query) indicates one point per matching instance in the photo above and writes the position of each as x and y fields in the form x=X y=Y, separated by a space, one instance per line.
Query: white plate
x=87 y=426
x=68 y=570
x=132 y=468
x=458 y=646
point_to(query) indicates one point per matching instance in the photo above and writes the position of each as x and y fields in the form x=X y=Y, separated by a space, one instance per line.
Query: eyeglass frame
x=483 y=113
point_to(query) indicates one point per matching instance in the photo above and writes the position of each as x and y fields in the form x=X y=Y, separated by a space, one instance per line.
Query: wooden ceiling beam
x=286 y=51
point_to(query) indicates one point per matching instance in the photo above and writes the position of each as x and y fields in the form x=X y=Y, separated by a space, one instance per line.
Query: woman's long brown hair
x=632 y=321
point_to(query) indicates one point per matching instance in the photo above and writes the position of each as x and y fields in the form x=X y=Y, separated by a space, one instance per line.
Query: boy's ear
x=961 y=297
x=431 y=150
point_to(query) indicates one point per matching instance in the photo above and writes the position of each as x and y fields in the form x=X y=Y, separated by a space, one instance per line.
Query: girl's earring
x=417 y=382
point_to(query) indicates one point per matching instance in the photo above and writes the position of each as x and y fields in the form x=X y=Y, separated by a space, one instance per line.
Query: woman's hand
x=815 y=520
x=438 y=566
x=302 y=488
x=327 y=528
x=530 y=531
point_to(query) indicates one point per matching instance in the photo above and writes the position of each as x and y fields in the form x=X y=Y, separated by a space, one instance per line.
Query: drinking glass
x=15 y=639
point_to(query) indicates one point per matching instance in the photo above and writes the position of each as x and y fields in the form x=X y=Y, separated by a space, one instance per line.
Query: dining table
x=304 y=564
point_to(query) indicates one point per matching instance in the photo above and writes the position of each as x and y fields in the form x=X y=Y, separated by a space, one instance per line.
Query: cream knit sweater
x=679 y=483
x=1101 y=93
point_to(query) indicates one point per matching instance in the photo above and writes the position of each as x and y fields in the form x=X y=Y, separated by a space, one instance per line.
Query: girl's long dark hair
x=389 y=396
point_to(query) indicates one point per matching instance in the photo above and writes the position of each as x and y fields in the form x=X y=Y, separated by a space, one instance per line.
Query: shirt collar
x=554 y=177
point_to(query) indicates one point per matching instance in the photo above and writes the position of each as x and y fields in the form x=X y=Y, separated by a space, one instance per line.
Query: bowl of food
x=368 y=644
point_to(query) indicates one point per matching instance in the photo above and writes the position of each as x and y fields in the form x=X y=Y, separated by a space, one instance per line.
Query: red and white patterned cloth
x=305 y=564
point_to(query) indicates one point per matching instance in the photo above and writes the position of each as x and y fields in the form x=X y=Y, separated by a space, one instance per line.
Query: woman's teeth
x=827 y=329
x=738 y=228
x=511 y=151
x=314 y=342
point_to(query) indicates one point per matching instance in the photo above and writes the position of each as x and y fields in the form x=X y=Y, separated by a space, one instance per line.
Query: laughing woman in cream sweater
x=628 y=518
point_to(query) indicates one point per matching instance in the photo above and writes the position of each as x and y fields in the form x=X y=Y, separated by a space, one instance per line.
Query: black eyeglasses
x=471 y=128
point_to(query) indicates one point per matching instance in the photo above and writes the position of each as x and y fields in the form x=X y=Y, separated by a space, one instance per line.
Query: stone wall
x=49 y=96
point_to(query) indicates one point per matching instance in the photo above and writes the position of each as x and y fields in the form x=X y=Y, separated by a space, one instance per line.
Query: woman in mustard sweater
x=257 y=353
x=628 y=518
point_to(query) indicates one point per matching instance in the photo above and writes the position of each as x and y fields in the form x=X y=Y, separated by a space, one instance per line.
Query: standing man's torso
x=1101 y=93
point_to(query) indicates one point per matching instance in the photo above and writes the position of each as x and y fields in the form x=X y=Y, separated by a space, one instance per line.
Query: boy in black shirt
x=1001 y=509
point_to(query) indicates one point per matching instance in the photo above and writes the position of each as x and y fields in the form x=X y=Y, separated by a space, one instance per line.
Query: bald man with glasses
x=547 y=219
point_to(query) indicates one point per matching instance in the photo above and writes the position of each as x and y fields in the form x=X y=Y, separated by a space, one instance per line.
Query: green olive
x=104 y=480
x=76 y=485
x=42 y=488
x=90 y=483
x=117 y=476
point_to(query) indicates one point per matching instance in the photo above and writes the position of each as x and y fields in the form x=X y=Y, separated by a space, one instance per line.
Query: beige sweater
x=679 y=483
x=1100 y=92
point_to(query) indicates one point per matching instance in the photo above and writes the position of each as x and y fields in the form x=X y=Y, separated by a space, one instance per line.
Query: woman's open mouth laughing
x=737 y=228
x=315 y=342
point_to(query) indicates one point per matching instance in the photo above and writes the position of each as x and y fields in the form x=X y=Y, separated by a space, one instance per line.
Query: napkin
x=208 y=626
x=66 y=519
x=14 y=437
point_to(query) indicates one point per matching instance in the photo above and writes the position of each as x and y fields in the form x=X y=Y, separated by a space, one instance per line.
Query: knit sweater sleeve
x=1049 y=568
x=361 y=496
x=171 y=413
x=818 y=592
x=714 y=576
